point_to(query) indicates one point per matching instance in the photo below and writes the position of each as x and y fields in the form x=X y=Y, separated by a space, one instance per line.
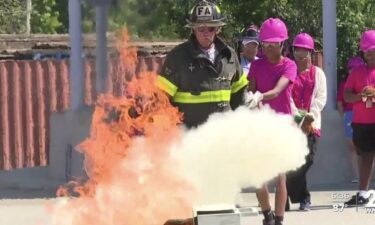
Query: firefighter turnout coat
x=199 y=87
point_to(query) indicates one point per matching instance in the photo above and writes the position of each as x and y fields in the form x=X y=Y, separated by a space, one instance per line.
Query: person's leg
x=366 y=169
x=296 y=180
x=296 y=183
x=364 y=141
x=265 y=205
x=263 y=198
x=363 y=138
x=354 y=159
x=305 y=197
x=280 y=199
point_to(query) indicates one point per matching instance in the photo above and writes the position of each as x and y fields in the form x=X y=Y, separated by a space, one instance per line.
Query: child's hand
x=368 y=91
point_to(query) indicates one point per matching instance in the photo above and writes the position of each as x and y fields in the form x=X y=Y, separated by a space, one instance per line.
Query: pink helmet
x=354 y=62
x=303 y=40
x=273 y=30
x=367 y=41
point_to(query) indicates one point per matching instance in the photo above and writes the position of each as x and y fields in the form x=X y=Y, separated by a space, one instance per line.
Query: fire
x=132 y=178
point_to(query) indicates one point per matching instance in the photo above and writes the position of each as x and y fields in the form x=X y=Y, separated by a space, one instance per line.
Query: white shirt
x=319 y=98
x=246 y=64
x=211 y=53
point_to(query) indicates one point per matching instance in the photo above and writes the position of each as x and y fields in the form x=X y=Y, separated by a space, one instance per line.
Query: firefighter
x=203 y=75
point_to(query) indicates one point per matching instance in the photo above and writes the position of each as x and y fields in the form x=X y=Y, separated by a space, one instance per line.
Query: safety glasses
x=298 y=52
x=206 y=29
x=271 y=44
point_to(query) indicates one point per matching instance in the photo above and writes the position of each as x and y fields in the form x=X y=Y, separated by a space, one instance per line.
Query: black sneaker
x=304 y=206
x=278 y=223
x=357 y=200
x=270 y=220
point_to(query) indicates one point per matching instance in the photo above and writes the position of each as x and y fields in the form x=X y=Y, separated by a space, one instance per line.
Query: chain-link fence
x=14 y=16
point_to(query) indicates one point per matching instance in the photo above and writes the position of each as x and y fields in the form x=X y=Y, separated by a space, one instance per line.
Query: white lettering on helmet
x=204 y=11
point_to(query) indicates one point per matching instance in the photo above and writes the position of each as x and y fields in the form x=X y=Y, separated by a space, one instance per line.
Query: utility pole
x=329 y=50
x=101 y=21
x=76 y=61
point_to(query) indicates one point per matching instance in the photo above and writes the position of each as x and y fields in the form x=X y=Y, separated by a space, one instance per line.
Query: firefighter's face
x=205 y=35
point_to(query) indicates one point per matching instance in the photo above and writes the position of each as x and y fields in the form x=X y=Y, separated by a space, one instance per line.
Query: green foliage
x=44 y=17
x=12 y=17
x=353 y=17
x=165 y=19
x=62 y=7
x=150 y=19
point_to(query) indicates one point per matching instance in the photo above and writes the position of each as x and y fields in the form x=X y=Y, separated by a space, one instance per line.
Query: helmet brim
x=303 y=46
x=274 y=39
x=366 y=49
x=205 y=24
x=246 y=41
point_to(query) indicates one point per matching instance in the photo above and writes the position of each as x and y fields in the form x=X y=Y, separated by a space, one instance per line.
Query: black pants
x=296 y=183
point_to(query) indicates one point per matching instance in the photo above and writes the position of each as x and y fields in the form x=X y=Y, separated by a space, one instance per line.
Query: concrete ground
x=32 y=211
x=322 y=211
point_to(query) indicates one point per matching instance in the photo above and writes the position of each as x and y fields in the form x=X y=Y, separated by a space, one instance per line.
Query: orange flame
x=132 y=176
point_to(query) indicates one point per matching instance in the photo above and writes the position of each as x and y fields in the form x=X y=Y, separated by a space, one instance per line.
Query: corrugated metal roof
x=30 y=91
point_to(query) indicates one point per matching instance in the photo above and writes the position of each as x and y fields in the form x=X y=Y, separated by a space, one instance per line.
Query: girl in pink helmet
x=345 y=110
x=271 y=80
x=360 y=90
x=309 y=94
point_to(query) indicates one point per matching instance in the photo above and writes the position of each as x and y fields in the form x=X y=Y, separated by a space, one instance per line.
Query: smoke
x=143 y=170
x=239 y=149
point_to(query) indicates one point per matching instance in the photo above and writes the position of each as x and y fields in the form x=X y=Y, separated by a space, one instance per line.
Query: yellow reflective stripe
x=218 y=9
x=204 y=97
x=166 y=85
x=242 y=82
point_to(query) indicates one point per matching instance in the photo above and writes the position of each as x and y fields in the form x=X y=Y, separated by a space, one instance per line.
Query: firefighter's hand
x=253 y=99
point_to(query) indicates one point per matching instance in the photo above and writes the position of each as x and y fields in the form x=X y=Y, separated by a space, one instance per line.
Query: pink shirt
x=267 y=75
x=303 y=88
x=340 y=98
x=357 y=80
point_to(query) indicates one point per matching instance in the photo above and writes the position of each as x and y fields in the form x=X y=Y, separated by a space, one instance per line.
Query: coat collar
x=196 y=52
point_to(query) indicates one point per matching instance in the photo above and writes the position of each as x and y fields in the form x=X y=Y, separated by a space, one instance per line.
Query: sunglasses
x=206 y=29
x=271 y=44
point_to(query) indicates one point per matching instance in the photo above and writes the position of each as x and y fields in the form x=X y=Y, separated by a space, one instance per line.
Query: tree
x=12 y=16
x=354 y=17
x=44 y=17
x=151 y=19
x=61 y=6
